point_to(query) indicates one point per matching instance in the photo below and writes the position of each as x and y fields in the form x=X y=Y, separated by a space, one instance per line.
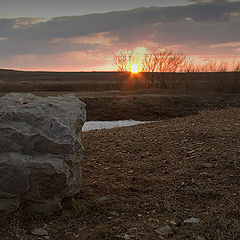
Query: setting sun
x=134 y=68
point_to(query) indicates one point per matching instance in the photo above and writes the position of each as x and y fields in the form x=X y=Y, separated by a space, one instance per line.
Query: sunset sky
x=77 y=35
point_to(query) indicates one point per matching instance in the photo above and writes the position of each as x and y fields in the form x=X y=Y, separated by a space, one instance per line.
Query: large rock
x=40 y=151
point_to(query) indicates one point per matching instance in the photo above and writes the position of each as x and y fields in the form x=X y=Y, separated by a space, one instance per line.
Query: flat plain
x=138 y=180
x=117 y=96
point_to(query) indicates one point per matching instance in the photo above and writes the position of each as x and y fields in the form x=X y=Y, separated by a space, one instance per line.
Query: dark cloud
x=193 y=26
x=52 y=8
x=208 y=1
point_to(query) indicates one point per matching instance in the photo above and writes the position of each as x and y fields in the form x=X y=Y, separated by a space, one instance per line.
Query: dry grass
x=155 y=104
x=13 y=81
x=137 y=179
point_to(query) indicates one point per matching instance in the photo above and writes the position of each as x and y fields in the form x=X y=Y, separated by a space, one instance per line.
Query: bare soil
x=138 y=179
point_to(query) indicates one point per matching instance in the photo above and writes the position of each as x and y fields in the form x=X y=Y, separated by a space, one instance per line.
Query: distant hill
x=9 y=70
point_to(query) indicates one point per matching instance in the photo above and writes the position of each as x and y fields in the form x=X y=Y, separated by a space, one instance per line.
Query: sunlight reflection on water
x=93 y=125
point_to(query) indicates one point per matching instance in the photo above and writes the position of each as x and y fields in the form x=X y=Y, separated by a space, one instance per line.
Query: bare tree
x=158 y=66
x=236 y=65
x=152 y=65
x=122 y=60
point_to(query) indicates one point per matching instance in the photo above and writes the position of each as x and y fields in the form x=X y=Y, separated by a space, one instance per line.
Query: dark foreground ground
x=154 y=104
x=141 y=178
x=118 y=96
x=149 y=104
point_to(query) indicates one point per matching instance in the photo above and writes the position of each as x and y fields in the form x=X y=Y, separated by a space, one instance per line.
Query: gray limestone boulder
x=40 y=151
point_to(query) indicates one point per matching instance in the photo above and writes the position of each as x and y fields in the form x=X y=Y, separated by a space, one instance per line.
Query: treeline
x=153 y=65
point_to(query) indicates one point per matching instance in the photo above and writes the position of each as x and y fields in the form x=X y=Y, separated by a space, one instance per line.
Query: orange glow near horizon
x=98 y=61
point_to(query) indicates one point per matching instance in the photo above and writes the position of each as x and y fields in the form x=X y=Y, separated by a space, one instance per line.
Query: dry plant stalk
x=156 y=64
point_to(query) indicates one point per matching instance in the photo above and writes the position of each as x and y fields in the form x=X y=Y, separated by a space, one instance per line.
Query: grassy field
x=139 y=179
x=17 y=81
x=115 y=96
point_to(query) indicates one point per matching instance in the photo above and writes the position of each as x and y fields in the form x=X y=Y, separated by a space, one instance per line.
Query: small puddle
x=94 y=125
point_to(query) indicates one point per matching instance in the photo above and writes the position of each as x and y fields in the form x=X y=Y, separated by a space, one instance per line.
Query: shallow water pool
x=93 y=125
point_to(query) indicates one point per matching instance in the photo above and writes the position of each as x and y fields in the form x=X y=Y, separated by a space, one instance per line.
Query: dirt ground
x=139 y=179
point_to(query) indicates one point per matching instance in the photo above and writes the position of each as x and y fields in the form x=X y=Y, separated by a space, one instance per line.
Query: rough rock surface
x=40 y=151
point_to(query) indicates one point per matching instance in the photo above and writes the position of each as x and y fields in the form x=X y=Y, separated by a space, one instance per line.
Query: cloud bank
x=76 y=42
